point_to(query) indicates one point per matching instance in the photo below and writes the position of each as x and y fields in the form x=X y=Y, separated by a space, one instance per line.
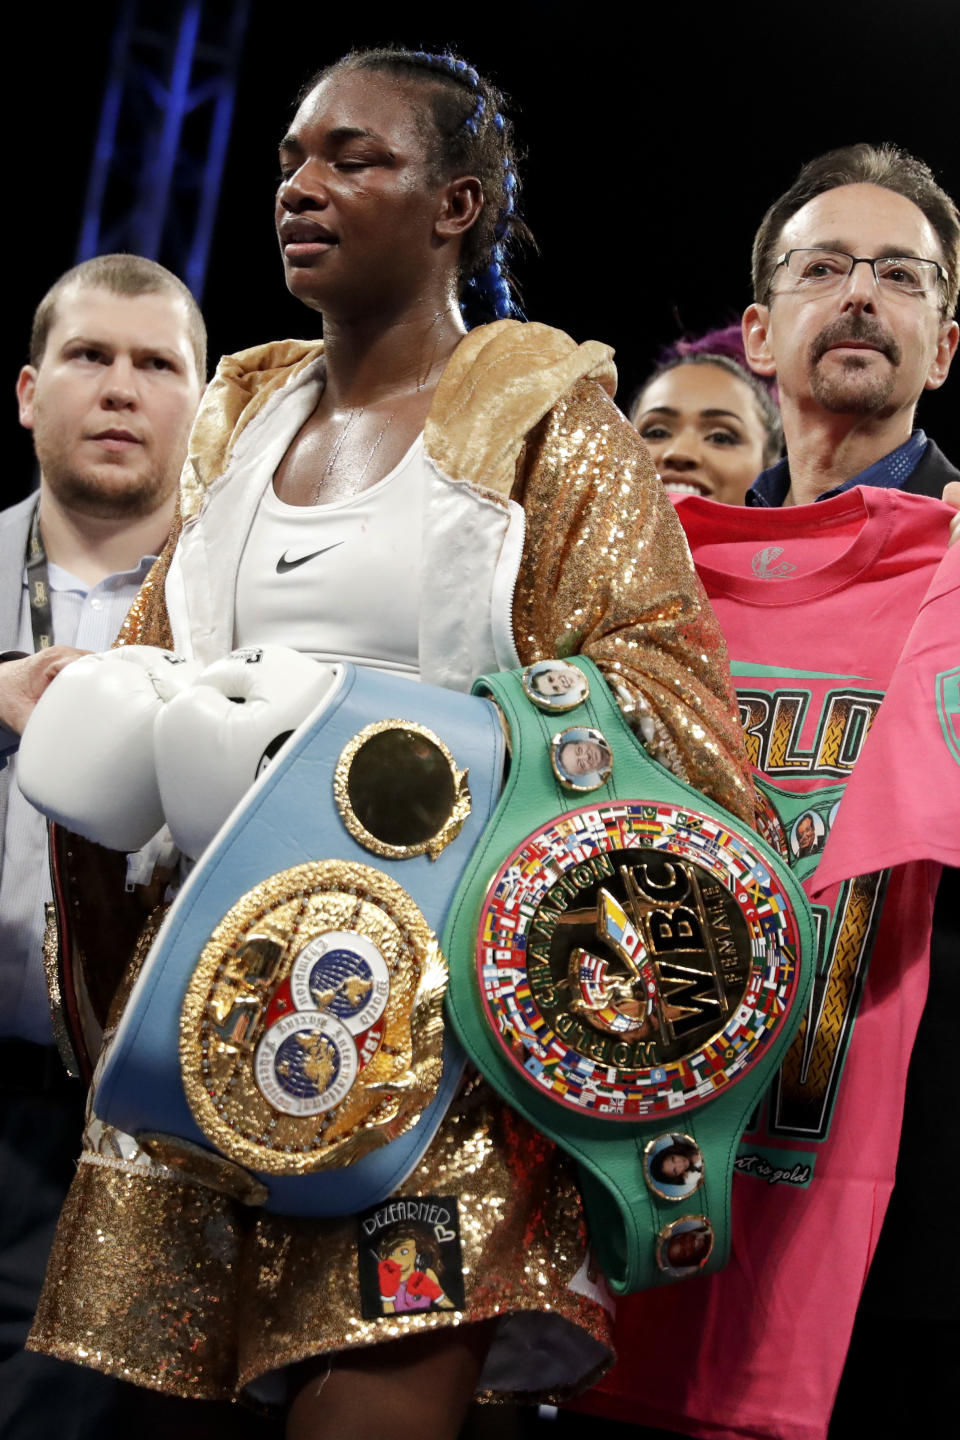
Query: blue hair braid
x=479 y=141
x=491 y=285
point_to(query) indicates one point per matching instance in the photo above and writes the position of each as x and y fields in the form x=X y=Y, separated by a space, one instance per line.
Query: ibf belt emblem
x=634 y=958
x=312 y=1029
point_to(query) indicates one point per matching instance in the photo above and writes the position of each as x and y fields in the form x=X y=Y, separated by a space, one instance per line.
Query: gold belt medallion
x=312 y=1028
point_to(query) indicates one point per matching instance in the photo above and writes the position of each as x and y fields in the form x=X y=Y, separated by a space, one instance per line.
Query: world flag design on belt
x=634 y=958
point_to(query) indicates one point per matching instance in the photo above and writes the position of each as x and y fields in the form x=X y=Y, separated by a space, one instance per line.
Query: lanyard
x=38 y=582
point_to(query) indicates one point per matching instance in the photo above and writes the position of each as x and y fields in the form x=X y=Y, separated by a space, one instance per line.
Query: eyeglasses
x=820 y=271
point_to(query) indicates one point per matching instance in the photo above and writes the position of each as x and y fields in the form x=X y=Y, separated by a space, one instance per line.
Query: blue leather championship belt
x=628 y=963
x=285 y=1041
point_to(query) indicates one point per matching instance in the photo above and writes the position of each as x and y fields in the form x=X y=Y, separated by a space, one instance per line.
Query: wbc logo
x=632 y=957
x=668 y=952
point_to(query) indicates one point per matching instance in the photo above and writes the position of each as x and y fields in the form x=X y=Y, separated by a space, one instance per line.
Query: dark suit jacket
x=931 y=474
x=14 y=529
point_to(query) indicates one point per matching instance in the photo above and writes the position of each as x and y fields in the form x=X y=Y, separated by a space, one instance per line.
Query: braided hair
x=467 y=133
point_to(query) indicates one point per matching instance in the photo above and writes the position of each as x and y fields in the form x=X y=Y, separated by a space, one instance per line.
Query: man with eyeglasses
x=856 y=270
x=816 y=588
x=856 y=273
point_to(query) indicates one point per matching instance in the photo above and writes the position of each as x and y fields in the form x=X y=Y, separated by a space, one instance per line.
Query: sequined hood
x=546 y=516
x=499 y=383
x=542 y=493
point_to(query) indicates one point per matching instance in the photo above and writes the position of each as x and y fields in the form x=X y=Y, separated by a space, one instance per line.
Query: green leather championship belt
x=631 y=975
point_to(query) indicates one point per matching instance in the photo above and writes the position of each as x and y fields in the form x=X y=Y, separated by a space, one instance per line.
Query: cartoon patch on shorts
x=408 y=1257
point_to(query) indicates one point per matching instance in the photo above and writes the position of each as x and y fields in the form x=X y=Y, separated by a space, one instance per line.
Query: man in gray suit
x=117 y=365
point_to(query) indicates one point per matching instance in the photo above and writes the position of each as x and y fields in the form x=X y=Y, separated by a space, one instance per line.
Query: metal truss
x=164 y=126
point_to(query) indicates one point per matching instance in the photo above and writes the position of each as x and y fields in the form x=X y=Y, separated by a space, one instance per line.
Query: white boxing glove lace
x=213 y=739
x=86 y=755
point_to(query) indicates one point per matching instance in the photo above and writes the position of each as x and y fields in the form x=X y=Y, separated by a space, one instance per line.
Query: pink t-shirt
x=816 y=603
x=903 y=801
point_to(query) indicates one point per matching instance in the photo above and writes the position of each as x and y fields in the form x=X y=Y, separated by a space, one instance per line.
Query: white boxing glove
x=213 y=740
x=86 y=755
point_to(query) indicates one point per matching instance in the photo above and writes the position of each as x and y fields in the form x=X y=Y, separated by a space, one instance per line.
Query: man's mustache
x=856 y=327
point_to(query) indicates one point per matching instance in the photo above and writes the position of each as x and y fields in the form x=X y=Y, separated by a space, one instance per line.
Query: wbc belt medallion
x=312 y=1029
x=634 y=958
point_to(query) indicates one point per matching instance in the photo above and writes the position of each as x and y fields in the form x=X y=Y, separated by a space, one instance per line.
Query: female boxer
x=421 y=498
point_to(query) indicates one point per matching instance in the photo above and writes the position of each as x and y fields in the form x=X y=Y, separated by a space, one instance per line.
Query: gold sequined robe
x=179 y=1288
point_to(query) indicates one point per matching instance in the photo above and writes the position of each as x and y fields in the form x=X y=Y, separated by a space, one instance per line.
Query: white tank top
x=338 y=581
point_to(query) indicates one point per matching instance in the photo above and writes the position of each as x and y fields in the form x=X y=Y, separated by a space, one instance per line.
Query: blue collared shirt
x=890 y=472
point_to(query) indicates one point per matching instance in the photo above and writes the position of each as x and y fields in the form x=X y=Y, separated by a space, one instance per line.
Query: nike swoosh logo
x=283 y=564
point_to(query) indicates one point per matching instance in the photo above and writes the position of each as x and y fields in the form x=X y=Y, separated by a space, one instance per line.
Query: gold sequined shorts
x=180 y=1289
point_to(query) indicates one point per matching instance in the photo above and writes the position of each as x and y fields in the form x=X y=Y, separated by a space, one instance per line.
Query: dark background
x=656 y=135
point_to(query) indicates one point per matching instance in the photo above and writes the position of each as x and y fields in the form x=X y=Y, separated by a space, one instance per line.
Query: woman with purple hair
x=710 y=424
